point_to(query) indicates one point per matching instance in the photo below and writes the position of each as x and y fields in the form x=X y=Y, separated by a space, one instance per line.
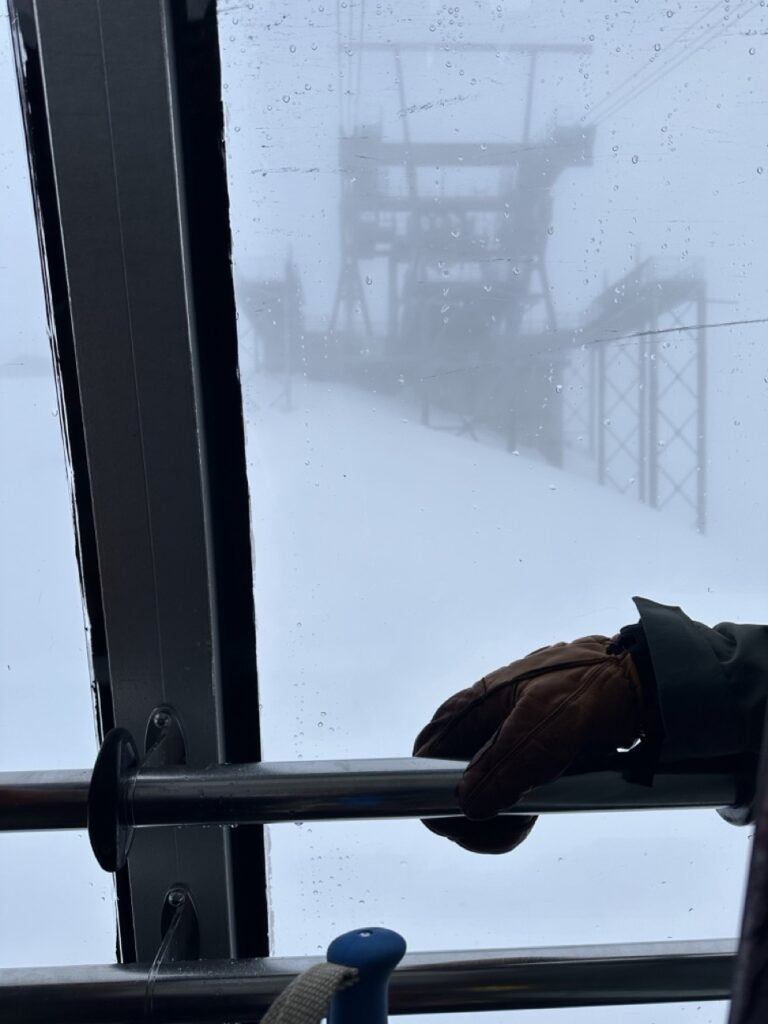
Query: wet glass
x=499 y=276
x=58 y=906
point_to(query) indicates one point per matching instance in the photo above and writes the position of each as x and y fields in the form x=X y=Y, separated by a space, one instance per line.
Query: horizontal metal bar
x=220 y=990
x=408 y=46
x=355 y=150
x=43 y=800
x=406 y=787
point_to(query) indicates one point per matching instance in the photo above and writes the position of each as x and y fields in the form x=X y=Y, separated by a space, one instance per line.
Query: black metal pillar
x=115 y=92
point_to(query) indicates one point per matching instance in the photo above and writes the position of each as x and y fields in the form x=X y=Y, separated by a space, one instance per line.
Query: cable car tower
x=448 y=241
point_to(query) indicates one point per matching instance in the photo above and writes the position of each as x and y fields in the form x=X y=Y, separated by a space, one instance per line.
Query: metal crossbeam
x=225 y=990
x=310 y=791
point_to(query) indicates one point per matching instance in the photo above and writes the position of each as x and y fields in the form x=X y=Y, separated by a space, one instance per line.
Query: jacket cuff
x=698 y=711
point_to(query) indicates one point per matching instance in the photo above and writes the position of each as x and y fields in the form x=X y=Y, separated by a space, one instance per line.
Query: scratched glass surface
x=499 y=274
x=57 y=905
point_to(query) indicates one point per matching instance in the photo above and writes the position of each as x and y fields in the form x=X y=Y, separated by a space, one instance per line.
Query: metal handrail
x=332 y=790
x=208 y=991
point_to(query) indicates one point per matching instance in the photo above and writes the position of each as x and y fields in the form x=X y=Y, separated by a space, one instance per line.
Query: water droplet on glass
x=292 y=48
x=368 y=279
x=635 y=158
x=657 y=47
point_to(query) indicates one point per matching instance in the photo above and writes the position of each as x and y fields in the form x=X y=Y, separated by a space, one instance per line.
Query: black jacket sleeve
x=712 y=683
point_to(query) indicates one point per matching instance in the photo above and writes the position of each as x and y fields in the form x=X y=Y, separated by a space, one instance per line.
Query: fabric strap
x=306 y=999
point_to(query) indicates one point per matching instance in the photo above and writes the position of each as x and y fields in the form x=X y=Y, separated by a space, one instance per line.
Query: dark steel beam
x=424 y=983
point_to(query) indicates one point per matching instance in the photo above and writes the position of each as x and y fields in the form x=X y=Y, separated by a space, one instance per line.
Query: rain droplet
x=368 y=279
x=292 y=48
x=286 y=98
x=635 y=158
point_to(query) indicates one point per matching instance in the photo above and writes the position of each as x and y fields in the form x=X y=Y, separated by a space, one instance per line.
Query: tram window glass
x=499 y=277
x=59 y=901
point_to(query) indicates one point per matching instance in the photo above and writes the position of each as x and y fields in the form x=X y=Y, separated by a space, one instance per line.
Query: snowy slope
x=395 y=564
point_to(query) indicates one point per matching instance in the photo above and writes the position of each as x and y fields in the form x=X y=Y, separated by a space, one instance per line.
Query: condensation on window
x=58 y=906
x=500 y=288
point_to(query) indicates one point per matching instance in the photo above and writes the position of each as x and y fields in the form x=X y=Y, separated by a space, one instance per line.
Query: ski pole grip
x=375 y=952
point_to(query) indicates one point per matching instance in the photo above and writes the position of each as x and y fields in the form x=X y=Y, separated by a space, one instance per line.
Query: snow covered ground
x=395 y=564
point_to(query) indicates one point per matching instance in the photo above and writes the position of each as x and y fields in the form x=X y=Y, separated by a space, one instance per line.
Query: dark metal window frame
x=124 y=124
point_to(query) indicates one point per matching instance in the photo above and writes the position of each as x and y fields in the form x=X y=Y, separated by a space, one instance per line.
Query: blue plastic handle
x=375 y=952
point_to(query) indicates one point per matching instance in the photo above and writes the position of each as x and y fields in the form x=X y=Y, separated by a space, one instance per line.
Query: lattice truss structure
x=635 y=392
x=457 y=302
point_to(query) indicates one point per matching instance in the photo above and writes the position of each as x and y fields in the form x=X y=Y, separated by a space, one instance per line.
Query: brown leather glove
x=525 y=725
